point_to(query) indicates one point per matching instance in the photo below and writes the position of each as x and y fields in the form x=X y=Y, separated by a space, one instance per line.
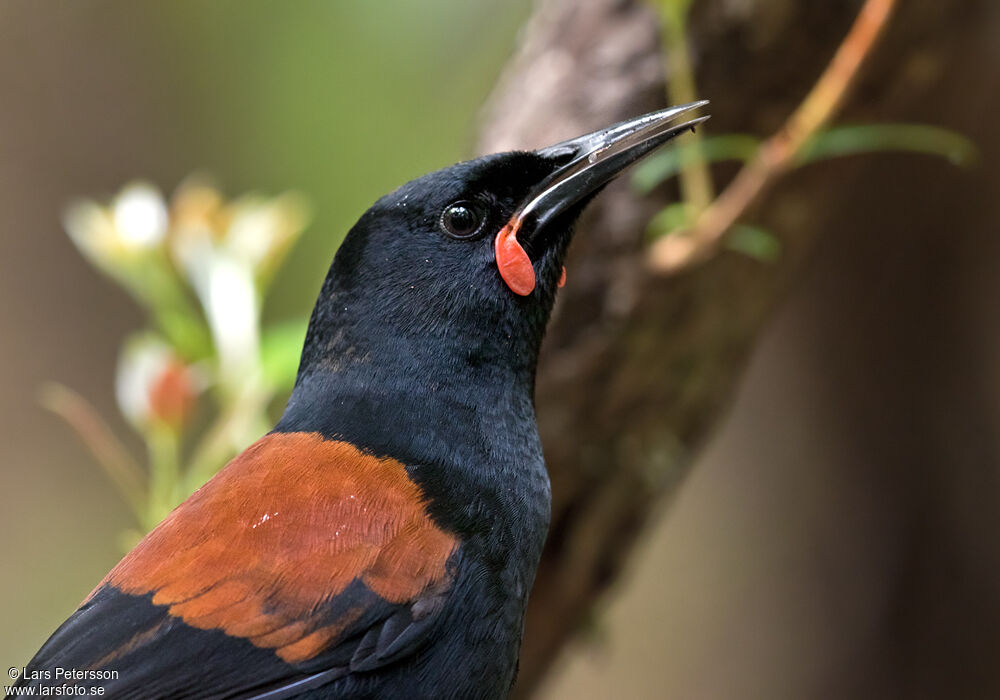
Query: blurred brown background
x=838 y=538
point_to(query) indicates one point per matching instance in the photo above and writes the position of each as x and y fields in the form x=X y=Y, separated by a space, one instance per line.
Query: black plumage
x=382 y=540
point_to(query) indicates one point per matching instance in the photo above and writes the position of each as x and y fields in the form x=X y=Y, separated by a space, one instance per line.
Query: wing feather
x=304 y=547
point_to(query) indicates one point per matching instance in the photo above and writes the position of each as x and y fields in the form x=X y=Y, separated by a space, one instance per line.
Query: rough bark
x=637 y=368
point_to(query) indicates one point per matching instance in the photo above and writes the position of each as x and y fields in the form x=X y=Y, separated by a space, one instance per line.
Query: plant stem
x=239 y=417
x=695 y=176
x=163 y=444
x=672 y=253
x=102 y=443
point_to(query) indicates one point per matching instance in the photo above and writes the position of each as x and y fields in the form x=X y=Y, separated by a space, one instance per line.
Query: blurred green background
x=341 y=101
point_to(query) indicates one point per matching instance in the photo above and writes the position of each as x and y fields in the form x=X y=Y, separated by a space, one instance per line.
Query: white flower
x=140 y=215
x=225 y=287
x=135 y=222
x=226 y=251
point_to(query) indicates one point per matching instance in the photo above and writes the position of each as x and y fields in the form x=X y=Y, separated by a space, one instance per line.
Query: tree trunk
x=638 y=368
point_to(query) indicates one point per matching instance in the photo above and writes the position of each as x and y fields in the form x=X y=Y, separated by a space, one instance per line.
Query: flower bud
x=154 y=386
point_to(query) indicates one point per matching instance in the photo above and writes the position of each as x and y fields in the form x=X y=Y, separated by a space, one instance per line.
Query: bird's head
x=462 y=264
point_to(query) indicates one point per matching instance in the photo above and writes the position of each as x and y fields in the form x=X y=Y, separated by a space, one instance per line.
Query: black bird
x=382 y=540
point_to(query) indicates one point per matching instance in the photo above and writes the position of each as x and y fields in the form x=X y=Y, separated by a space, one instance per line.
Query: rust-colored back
x=281 y=530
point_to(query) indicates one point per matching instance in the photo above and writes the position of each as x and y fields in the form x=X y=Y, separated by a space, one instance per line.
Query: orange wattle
x=513 y=263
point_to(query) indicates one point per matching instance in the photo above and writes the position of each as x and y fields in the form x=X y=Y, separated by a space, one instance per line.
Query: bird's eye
x=462 y=219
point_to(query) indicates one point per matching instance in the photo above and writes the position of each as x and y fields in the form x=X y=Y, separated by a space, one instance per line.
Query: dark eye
x=462 y=219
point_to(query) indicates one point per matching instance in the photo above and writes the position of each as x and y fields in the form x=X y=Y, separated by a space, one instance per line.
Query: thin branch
x=105 y=447
x=679 y=250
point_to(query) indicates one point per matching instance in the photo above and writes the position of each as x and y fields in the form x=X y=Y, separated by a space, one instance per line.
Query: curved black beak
x=587 y=163
x=597 y=158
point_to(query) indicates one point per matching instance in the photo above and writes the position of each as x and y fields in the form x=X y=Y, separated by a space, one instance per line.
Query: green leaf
x=672 y=217
x=280 y=349
x=755 y=242
x=669 y=162
x=871 y=138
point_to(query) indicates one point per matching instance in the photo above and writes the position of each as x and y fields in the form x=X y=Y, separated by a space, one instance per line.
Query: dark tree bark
x=638 y=368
